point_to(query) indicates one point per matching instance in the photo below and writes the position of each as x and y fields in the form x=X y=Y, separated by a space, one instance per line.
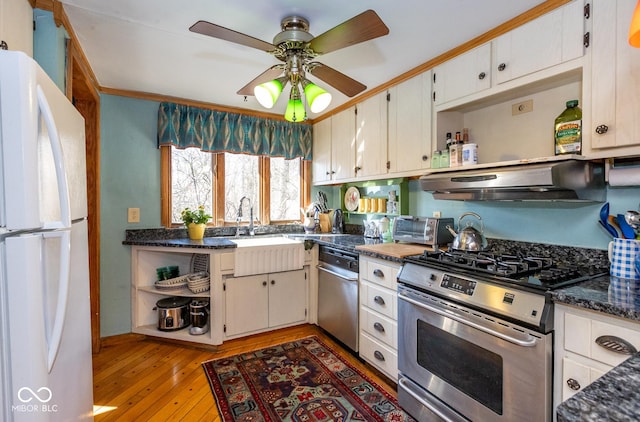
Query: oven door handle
x=530 y=342
x=413 y=390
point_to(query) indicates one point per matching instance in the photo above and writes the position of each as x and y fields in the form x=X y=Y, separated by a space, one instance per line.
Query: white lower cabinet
x=145 y=295
x=379 y=314
x=262 y=302
x=587 y=345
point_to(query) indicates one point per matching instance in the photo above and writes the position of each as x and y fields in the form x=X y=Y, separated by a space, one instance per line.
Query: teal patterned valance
x=217 y=131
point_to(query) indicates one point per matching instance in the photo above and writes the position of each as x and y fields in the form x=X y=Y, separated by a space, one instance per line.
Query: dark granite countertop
x=616 y=395
x=206 y=243
x=613 y=397
x=610 y=295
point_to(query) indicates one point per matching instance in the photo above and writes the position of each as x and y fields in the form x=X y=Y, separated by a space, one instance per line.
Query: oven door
x=458 y=363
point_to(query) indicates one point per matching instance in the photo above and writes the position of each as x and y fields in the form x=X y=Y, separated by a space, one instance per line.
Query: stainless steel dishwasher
x=338 y=295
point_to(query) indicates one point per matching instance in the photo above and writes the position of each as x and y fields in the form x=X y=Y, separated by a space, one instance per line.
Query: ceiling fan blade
x=217 y=31
x=360 y=28
x=268 y=75
x=339 y=81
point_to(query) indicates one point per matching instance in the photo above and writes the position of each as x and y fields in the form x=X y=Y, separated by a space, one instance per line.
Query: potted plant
x=195 y=221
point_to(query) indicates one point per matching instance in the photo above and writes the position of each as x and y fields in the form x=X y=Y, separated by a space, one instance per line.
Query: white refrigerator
x=45 y=328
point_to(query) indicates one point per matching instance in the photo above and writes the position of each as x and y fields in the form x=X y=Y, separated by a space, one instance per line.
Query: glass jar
x=435 y=160
x=444 y=159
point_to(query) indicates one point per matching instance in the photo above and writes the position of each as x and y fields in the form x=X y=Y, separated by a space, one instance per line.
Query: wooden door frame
x=84 y=96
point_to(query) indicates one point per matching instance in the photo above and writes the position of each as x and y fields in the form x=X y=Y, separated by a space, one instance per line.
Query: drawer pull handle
x=616 y=345
x=378 y=300
x=573 y=384
x=378 y=327
x=378 y=273
x=378 y=355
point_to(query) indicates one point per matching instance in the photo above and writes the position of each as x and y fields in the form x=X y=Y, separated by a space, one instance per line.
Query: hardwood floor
x=152 y=380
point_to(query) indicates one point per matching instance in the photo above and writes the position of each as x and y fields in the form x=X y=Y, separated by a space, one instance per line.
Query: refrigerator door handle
x=63 y=293
x=58 y=158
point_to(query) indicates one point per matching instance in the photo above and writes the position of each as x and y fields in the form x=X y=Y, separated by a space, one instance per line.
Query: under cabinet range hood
x=569 y=180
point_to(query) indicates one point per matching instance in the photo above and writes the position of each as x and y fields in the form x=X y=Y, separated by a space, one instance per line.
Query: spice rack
x=379 y=189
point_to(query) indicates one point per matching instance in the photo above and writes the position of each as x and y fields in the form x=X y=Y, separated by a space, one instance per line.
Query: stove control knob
x=433 y=277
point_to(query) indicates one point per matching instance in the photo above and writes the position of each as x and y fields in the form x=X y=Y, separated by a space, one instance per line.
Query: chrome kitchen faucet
x=251 y=229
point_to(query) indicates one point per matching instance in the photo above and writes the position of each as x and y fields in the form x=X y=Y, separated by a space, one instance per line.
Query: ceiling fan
x=297 y=49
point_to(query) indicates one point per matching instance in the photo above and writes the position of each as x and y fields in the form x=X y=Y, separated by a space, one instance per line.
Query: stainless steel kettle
x=469 y=238
x=337 y=225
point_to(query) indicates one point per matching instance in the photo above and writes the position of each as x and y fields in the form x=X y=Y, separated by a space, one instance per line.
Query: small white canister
x=469 y=154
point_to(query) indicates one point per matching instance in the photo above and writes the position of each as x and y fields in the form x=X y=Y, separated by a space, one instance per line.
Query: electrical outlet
x=133 y=215
x=521 y=108
x=437 y=214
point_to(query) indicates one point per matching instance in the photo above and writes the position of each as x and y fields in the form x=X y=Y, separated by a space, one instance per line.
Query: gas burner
x=486 y=262
x=517 y=268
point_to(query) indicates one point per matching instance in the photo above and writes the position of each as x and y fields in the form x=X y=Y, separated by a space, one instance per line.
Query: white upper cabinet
x=343 y=144
x=16 y=25
x=465 y=74
x=527 y=54
x=549 y=40
x=321 y=164
x=371 y=136
x=615 y=85
x=409 y=112
x=334 y=148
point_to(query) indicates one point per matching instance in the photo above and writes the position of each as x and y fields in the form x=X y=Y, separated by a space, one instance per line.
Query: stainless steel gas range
x=475 y=335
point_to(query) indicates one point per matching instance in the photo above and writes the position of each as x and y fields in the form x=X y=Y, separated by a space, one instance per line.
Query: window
x=241 y=179
x=276 y=187
x=285 y=189
x=191 y=181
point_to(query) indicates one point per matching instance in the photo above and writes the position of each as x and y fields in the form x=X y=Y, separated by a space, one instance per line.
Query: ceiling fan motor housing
x=295 y=29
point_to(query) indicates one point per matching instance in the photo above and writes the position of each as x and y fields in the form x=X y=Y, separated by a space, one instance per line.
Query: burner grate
x=543 y=270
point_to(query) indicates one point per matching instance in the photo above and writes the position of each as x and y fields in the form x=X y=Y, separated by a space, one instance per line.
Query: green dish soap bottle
x=568 y=130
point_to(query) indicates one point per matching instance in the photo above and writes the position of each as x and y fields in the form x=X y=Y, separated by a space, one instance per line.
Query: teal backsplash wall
x=129 y=178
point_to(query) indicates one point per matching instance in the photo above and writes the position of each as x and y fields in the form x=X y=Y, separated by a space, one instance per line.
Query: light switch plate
x=133 y=215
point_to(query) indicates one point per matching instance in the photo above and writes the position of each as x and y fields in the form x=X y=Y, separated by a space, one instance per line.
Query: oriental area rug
x=304 y=380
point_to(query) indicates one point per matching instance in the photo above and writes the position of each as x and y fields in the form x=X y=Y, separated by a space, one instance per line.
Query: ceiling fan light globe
x=318 y=98
x=267 y=93
x=295 y=111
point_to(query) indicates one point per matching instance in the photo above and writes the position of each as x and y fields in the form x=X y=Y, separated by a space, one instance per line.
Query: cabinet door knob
x=378 y=355
x=264 y=283
x=273 y=282
x=482 y=75
x=425 y=158
x=358 y=168
x=573 y=384
x=378 y=272
x=378 y=300
x=378 y=327
x=602 y=129
x=501 y=67
x=328 y=173
x=4 y=45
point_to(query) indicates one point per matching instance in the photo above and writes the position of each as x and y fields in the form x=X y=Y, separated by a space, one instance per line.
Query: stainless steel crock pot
x=173 y=313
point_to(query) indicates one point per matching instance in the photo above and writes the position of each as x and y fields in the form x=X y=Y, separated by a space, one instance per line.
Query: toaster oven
x=430 y=231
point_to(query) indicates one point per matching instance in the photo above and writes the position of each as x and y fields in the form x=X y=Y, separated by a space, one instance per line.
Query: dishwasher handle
x=349 y=276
